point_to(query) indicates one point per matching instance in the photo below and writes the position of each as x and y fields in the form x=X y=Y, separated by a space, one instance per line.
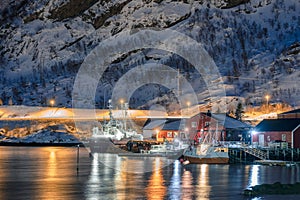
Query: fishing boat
x=166 y=149
x=207 y=154
x=208 y=150
x=111 y=135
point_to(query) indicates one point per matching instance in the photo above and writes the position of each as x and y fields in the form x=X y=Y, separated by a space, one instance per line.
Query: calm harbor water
x=51 y=173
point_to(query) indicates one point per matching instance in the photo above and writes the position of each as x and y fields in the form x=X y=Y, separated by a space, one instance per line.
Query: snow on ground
x=47 y=136
x=46 y=133
x=28 y=112
x=44 y=136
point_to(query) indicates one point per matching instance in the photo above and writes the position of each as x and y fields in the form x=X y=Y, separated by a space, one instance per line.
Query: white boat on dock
x=167 y=150
x=103 y=138
x=207 y=154
x=208 y=151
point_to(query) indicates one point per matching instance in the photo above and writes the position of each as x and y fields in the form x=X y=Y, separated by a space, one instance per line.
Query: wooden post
x=241 y=156
x=77 y=158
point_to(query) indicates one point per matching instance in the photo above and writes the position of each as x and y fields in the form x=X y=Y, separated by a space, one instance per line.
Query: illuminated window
x=283 y=137
x=169 y=134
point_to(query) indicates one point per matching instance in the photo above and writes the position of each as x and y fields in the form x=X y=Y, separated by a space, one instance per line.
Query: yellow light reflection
x=203 y=187
x=187 y=185
x=121 y=181
x=52 y=164
x=48 y=186
x=4 y=168
x=128 y=181
x=156 y=188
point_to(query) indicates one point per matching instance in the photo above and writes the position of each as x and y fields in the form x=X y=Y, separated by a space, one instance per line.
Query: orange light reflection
x=187 y=185
x=156 y=188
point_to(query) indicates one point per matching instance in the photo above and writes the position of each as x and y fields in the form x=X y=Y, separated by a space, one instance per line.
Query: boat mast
x=110 y=110
x=178 y=82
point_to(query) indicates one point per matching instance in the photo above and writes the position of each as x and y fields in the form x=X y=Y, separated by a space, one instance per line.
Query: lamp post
x=121 y=103
x=267 y=98
x=52 y=102
x=188 y=105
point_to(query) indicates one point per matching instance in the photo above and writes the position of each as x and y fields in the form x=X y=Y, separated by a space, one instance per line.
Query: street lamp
x=52 y=102
x=188 y=105
x=267 y=98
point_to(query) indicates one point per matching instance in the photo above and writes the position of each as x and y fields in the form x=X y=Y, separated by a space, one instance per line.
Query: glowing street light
x=267 y=98
x=188 y=103
x=188 y=107
x=52 y=102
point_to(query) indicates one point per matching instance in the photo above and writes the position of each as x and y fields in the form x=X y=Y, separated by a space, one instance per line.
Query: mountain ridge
x=42 y=50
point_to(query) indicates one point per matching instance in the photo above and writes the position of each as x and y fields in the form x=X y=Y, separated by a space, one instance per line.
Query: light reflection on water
x=156 y=188
x=174 y=189
x=254 y=174
x=203 y=188
x=50 y=173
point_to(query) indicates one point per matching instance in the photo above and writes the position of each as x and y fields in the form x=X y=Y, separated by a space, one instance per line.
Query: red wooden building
x=173 y=128
x=271 y=131
x=165 y=129
x=290 y=114
x=225 y=127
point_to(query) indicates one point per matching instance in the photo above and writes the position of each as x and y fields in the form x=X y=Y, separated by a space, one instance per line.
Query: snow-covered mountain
x=254 y=43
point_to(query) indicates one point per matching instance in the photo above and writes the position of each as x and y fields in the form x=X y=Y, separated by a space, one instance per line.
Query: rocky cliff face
x=254 y=43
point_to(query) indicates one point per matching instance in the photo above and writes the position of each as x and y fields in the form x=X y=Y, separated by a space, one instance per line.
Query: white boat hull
x=211 y=155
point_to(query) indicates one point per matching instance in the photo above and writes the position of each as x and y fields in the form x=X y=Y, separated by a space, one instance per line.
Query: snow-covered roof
x=154 y=123
x=291 y=112
x=229 y=122
x=277 y=125
x=174 y=124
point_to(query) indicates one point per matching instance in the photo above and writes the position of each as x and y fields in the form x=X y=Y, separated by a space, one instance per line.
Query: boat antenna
x=110 y=110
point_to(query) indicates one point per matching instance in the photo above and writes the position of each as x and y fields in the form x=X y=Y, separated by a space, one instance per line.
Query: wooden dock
x=248 y=155
x=275 y=162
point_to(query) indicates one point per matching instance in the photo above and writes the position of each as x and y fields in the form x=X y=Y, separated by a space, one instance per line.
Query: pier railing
x=248 y=154
x=256 y=152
